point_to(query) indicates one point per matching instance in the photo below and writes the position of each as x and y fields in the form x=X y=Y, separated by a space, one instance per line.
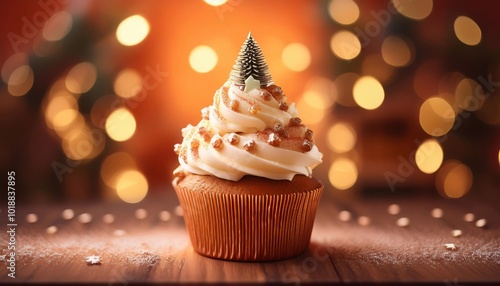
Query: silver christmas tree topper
x=250 y=62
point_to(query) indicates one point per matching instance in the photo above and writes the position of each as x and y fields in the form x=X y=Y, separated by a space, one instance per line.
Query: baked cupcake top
x=249 y=129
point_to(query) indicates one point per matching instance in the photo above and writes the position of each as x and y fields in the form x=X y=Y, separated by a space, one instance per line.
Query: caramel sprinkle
x=307 y=145
x=177 y=148
x=309 y=134
x=296 y=121
x=266 y=95
x=254 y=109
x=205 y=113
x=274 y=140
x=204 y=133
x=249 y=145
x=283 y=106
x=216 y=142
x=233 y=139
x=234 y=104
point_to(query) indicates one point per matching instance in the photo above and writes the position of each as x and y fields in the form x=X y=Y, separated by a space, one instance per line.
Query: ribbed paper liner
x=249 y=227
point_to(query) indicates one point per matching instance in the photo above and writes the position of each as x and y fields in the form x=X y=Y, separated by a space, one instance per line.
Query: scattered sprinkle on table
x=67 y=214
x=108 y=218
x=394 y=209
x=363 y=220
x=403 y=222
x=51 y=229
x=481 y=222
x=2 y=257
x=141 y=214
x=85 y=218
x=31 y=218
x=437 y=213
x=93 y=259
x=344 y=215
x=164 y=215
x=469 y=217
x=450 y=246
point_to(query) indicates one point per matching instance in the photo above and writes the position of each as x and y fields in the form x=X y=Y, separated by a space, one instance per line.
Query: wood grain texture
x=137 y=250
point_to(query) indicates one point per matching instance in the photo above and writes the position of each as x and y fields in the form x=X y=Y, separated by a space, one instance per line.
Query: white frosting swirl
x=246 y=133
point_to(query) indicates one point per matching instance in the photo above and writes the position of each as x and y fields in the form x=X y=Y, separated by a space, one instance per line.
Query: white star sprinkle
x=2 y=257
x=450 y=246
x=251 y=84
x=93 y=259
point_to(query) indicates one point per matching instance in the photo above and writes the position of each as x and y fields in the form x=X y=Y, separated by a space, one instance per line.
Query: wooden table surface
x=147 y=242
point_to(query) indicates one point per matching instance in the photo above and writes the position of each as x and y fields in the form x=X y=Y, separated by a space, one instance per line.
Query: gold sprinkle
x=234 y=104
x=249 y=145
x=393 y=209
x=344 y=215
x=456 y=232
x=437 y=213
x=403 y=222
x=195 y=144
x=481 y=222
x=205 y=113
x=216 y=142
x=233 y=139
x=254 y=109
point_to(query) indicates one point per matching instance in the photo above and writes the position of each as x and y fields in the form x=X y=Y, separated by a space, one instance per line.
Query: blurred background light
x=343 y=173
x=120 y=125
x=131 y=186
x=368 y=93
x=429 y=156
x=81 y=77
x=58 y=26
x=296 y=57
x=345 y=45
x=215 y=2
x=128 y=83
x=436 y=116
x=203 y=59
x=396 y=51
x=416 y=10
x=344 y=12
x=467 y=31
x=454 y=179
x=20 y=81
x=341 y=137
x=132 y=30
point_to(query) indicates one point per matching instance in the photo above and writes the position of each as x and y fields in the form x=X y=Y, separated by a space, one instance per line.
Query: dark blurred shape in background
x=402 y=95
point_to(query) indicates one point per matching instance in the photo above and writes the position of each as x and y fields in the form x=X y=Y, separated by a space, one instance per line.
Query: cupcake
x=245 y=176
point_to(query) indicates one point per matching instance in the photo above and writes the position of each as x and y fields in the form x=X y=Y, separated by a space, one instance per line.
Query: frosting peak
x=249 y=129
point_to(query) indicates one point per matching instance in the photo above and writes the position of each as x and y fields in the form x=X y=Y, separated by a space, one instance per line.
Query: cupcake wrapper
x=249 y=227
